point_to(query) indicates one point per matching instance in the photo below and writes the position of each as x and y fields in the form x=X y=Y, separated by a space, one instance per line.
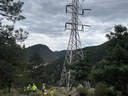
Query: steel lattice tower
x=74 y=50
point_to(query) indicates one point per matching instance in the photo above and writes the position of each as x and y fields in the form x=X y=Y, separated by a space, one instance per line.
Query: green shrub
x=21 y=90
x=36 y=94
x=103 y=90
x=4 y=91
x=82 y=91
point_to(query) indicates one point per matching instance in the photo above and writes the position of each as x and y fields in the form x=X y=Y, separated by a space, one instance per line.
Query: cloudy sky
x=45 y=20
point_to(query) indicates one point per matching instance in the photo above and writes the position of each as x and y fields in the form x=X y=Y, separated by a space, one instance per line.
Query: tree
x=113 y=68
x=35 y=61
x=35 y=66
x=11 y=63
x=11 y=10
x=119 y=36
x=21 y=35
x=12 y=56
x=81 y=70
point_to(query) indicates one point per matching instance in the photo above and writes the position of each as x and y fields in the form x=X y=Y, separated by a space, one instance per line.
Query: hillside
x=93 y=53
x=55 y=59
x=43 y=51
x=60 y=53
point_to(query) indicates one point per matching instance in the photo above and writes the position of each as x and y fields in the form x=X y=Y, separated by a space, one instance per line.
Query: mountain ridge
x=95 y=52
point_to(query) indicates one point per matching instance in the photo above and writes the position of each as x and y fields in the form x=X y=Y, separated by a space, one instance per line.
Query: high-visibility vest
x=34 y=88
x=43 y=88
x=28 y=88
x=25 y=88
x=45 y=93
x=51 y=93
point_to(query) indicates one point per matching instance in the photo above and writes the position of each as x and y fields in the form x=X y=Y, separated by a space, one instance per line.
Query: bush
x=36 y=95
x=4 y=91
x=82 y=91
x=103 y=90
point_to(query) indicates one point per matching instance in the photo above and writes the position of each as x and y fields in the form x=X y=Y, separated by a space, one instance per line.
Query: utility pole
x=74 y=50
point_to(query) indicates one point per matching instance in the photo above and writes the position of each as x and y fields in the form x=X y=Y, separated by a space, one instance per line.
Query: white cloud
x=54 y=43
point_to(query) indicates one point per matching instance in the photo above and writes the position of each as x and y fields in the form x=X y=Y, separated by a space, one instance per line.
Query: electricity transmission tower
x=74 y=50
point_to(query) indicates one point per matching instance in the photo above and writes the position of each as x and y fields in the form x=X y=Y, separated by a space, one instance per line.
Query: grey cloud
x=45 y=16
x=108 y=10
x=48 y=16
x=52 y=11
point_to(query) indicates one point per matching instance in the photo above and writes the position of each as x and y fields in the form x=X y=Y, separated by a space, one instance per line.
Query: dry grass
x=58 y=92
x=14 y=92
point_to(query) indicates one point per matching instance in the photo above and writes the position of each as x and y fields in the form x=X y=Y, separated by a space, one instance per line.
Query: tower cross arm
x=84 y=11
x=68 y=6
x=66 y=25
x=85 y=26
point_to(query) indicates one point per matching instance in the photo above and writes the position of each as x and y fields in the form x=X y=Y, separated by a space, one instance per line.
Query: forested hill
x=43 y=51
x=60 y=53
x=93 y=53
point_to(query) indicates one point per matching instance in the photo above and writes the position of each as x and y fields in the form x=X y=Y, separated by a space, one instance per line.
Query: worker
x=34 y=88
x=45 y=93
x=25 y=88
x=52 y=92
x=28 y=89
x=43 y=88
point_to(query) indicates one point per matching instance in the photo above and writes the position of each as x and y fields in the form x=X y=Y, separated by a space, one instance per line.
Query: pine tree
x=35 y=66
x=12 y=56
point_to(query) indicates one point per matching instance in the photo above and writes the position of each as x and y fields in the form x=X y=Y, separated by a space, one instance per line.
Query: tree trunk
x=124 y=91
x=9 y=85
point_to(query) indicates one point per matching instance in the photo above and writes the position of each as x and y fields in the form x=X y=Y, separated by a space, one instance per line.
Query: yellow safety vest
x=45 y=93
x=34 y=88
x=51 y=93
x=43 y=87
